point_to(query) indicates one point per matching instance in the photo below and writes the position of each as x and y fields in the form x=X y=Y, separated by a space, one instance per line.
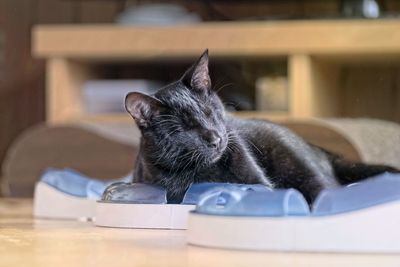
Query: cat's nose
x=214 y=143
x=214 y=140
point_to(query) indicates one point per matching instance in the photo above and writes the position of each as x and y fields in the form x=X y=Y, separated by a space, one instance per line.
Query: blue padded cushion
x=196 y=190
x=374 y=191
x=76 y=184
x=281 y=202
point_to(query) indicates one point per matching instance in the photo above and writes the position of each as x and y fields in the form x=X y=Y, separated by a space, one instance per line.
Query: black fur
x=187 y=138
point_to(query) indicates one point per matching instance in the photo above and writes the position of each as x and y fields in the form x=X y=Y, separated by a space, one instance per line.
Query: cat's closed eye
x=190 y=124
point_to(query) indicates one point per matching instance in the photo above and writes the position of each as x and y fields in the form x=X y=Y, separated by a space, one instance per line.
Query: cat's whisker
x=164 y=121
x=198 y=159
x=234 y=147
x=185 y=157
x=195 y=165
x=174 y=127
x=229 y=148
x=172 y=132
x=259 y=151
x=223 y=86
x=161 y=156
x=177 y=159
x=187 y=164
x=169 y=116
x=218 y=82
x=167 y=120
x=248 y=140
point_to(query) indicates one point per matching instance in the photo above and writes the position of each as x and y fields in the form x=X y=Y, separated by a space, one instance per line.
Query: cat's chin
x=215 y=157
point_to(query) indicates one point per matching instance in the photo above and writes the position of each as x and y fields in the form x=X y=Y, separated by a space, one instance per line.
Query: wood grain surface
x=335 y=38
x=25 y=241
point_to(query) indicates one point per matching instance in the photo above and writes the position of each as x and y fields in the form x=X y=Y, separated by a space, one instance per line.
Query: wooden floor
x=25 y=241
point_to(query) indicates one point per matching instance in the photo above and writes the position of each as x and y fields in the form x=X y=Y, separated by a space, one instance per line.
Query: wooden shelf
x=330 y=38
x=314 y=51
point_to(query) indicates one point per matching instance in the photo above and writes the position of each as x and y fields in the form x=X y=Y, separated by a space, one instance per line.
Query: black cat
x=187 y=138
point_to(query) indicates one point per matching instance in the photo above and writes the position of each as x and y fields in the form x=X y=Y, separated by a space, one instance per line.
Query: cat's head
x=183 y=123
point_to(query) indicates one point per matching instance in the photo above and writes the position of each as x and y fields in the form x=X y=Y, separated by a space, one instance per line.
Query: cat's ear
x=142 y=108
x=197 y=77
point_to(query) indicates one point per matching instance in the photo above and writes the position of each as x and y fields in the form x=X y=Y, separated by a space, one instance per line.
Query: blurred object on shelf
x=102 y=96
x=272 y=93
x=361 y=8
x=157 y=14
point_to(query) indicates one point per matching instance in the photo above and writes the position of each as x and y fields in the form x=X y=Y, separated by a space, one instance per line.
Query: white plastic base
x=51 y=203
x=371 y=230
x=154 y=216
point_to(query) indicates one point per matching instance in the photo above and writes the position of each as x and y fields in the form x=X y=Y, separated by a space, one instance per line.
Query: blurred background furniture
x=307 y=54
x=107 y=151
x=314 y=51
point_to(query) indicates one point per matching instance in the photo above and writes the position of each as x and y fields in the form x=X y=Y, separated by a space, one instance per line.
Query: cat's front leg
x=243 y=164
